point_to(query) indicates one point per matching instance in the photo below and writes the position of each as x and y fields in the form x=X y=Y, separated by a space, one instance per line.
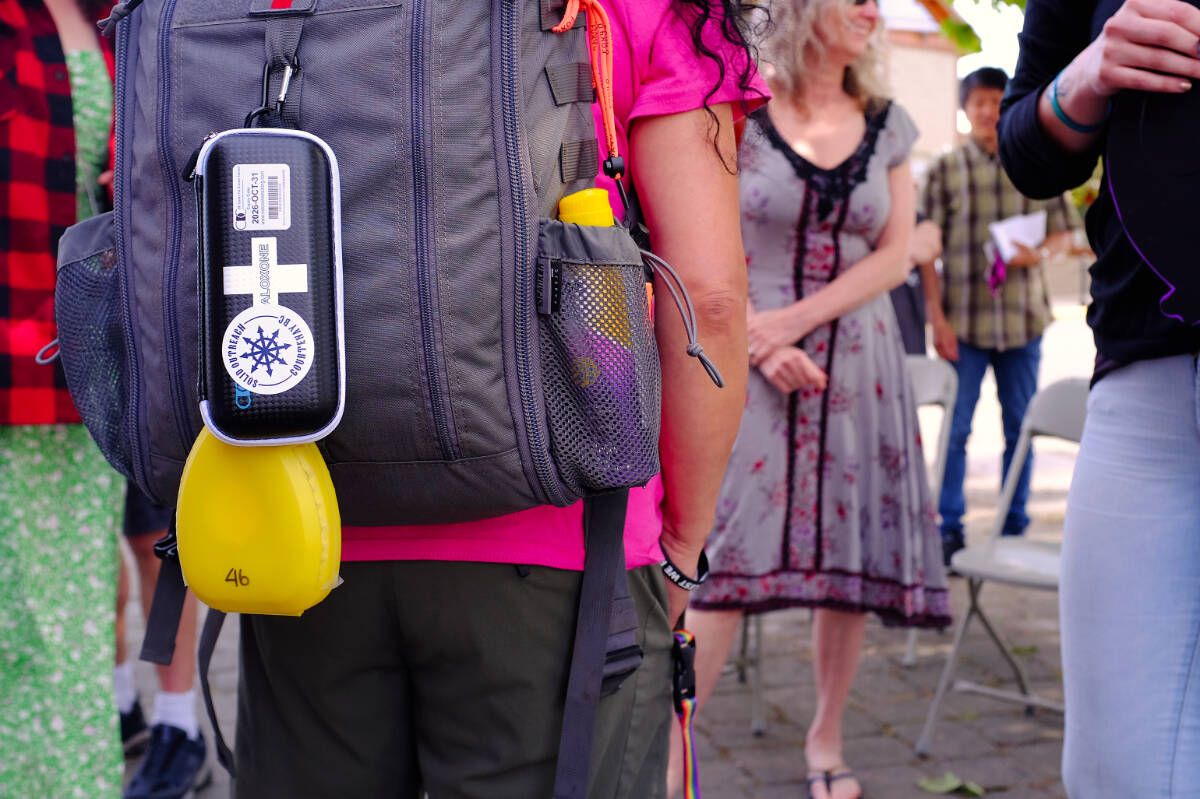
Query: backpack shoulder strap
x=208 y=644
x=605 y=638
x=166 y=609
x=158 y=645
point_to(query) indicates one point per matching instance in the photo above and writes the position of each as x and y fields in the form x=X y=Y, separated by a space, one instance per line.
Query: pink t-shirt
x=655 y=71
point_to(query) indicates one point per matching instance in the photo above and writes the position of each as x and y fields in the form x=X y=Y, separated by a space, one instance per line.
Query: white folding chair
x=748 y=664
x=934 y=382
x=1056 y=411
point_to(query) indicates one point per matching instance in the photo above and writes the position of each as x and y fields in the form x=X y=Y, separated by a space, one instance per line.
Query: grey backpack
x=482 y=373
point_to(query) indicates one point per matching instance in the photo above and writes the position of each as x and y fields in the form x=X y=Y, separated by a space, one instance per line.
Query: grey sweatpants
x=443 y=677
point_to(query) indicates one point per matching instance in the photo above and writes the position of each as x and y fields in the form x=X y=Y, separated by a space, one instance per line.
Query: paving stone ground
x=991 y=743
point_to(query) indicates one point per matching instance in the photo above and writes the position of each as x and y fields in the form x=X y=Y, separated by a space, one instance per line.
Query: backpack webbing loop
x=284 y=77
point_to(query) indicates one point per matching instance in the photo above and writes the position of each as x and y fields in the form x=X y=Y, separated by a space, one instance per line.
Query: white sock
x=123 y=686
x=178 y=710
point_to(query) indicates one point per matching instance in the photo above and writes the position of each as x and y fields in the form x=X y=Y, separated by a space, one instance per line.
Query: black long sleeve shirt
x=1124 y=315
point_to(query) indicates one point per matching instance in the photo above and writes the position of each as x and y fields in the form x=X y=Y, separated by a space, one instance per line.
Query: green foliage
x=950 y=783
x=963 y=36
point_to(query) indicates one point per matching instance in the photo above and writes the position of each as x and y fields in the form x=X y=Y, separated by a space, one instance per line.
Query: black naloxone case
x=272 y=367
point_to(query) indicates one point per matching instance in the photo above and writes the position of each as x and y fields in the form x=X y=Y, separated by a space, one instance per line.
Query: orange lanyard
x=601 y=48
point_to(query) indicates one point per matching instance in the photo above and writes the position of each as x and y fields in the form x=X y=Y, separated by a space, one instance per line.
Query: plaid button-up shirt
x=964 y=191
x=37 y=203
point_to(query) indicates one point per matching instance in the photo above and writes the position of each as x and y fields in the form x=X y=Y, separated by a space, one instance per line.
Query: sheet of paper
x=1027 y=229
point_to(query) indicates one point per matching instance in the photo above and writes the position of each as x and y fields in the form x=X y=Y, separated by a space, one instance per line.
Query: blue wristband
x=1066 y=120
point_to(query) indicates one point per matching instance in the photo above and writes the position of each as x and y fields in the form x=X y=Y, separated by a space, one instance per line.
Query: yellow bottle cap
x=587 y=207
x=259 y=529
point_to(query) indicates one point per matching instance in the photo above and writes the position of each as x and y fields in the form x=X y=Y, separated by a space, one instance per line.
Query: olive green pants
x=443 y=677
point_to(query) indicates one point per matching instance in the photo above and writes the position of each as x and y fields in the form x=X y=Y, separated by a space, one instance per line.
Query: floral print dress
x=826 y=500
x=60 y=504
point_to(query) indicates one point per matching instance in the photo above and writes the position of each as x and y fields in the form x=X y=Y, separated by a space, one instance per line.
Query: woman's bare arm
x=690 y=200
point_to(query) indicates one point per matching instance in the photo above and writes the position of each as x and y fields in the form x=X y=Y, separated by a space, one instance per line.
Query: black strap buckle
x=683 y=654
x=619 y=665
x=167 y=546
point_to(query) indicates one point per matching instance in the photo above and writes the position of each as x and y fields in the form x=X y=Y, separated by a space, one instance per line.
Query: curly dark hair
x=737 y=27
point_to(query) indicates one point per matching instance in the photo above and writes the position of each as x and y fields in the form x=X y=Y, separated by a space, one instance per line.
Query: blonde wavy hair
x=792 y=38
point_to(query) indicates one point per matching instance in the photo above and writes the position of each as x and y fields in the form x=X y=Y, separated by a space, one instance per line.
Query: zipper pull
x=548 y=286
x=189 y=169
x=108 y=25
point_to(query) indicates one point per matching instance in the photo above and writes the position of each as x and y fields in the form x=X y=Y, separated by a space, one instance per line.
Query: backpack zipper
x=539 y=449
x=426 y=275
x=171 y=265
x=138 y=456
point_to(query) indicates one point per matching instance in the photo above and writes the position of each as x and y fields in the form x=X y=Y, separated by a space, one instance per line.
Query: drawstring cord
x=683 y=301
x=44 y=357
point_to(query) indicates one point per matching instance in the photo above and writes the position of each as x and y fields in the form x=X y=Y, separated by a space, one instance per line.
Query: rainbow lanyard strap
x=684 y=685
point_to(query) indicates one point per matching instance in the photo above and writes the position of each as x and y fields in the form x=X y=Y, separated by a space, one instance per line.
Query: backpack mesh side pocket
x=600 y=369
x=93 y=341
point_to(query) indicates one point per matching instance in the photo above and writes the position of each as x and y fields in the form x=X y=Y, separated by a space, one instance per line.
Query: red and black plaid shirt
x=37 y=203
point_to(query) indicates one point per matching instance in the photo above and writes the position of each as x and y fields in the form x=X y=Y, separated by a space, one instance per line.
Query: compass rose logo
x=267 y=349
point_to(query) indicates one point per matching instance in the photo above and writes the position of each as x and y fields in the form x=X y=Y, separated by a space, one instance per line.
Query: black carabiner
x=263 y=109
x=264 y=106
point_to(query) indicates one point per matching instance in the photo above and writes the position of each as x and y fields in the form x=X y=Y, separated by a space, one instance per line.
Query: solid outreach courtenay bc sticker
x=267 y=349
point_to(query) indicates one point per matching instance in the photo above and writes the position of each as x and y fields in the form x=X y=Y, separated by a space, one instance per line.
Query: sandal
x=828 y=777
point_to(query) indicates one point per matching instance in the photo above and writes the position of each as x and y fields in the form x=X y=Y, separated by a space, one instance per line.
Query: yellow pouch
x=258 y=527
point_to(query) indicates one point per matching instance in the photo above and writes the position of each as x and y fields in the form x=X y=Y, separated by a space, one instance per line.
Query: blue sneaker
x=1015 y=525
x=174 y=768
x=134 y=730
x=952 y=541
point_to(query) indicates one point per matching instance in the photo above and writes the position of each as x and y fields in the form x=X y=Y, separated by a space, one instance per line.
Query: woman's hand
x=1026 y=257
x=926 y=243
x=790 y=368
x=944 y=339
x=1148 y=45
x=767 y=331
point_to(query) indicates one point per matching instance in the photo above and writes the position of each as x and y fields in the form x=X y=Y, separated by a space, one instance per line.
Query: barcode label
x=262 y=197
x=273 y=192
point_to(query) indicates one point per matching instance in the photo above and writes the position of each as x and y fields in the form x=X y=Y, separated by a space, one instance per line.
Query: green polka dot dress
x=59 y=509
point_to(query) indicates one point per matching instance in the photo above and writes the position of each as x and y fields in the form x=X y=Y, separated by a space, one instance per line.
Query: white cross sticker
x=266 y=278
